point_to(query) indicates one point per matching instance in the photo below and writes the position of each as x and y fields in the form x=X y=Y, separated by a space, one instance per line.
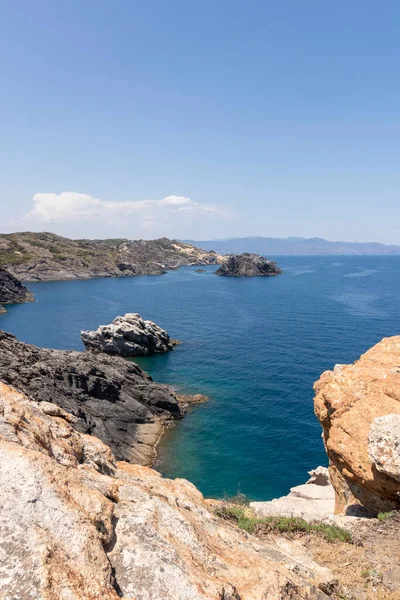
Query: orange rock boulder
x=359 y=409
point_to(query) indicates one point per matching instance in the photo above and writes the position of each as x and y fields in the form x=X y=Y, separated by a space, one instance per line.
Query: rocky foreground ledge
x=128 y=336
x=247 y=265
x=77 y=524
x=12 y=291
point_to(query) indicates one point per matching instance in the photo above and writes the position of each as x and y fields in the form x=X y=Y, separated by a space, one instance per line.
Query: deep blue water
x=254 y=346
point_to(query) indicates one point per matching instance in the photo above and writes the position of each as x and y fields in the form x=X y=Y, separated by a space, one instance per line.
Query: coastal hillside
x=47 y=256
x=12 y=291
x=296 y=246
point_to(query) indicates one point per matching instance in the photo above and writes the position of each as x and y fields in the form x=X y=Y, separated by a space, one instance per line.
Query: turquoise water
x=254 y=346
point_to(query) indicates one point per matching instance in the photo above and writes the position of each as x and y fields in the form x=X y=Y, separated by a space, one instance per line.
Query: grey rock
x=110 y=397
x=247 y=265
x=384 y=445
x=11 y=290
x=319 y=476
x=312 y=501
x=128 y=336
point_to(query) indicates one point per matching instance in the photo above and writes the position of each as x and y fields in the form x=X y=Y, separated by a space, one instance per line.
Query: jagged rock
x=248 y=265
x=128 y=336
x=12 y=291
x=384 y=445
x=359 y=406
x=77 y=525
x=109 y=396
x=319 y=476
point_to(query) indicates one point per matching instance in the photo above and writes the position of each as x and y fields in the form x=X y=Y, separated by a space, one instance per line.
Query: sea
x=254 y=346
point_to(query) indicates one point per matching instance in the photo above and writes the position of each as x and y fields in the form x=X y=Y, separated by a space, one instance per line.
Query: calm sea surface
x=254 y=346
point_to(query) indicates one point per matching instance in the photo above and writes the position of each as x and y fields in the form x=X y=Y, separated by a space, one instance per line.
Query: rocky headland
x=247 y=265
x=12 y=291
x=46 y=256
x=128 y=336
x=109 y=397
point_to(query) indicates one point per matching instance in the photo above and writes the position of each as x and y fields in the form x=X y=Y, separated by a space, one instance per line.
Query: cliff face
x=76 y=524
x=46 y=256
x=359 y=408
x=108 y=396
x=11 y=290
x=247 y=265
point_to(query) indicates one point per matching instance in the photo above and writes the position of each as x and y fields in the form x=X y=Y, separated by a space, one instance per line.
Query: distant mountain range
x=294 y=245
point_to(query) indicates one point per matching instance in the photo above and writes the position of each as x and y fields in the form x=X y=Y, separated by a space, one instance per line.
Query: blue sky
x=201 y=119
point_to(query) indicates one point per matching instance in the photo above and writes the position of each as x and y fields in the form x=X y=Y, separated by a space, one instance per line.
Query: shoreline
x=162 y=424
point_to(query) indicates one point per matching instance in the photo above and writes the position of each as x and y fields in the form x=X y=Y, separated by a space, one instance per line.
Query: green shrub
x=245 y=518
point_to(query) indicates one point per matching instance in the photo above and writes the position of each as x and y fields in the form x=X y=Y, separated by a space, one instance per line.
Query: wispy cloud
x=67 y=207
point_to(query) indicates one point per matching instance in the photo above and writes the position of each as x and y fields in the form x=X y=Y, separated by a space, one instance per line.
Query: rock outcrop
x=247 y=265
x=312 y=501
x=110 y=397
x=11 y=290
x=46 y=256
x=77 y=525
x=359 y=408
x=128 y=336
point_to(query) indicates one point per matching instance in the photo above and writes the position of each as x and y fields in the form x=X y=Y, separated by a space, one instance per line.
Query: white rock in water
x=129 y=335
x=384 y=445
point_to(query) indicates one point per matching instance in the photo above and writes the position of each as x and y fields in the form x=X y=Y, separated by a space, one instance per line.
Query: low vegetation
x=244 y=517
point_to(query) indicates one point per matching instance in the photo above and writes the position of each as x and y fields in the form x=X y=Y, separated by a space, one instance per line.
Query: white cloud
x=69 y=207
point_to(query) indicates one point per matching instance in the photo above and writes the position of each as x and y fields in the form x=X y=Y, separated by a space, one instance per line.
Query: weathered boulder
x=109 y=396
x=11 y=290
x=359 y=406
x=77 y=525
x=128 y=336
x=247 y=265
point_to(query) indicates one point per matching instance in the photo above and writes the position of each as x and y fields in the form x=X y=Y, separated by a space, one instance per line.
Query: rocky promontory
x=247 y=265
x=128 y=336
x=109 y=397
x=11 y=290
x=358 y=406
x=46 y=256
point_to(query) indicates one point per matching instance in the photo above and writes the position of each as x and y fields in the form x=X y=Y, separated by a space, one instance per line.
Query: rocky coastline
x=12 y=291
x=82 y=514
x=109 y=397
x=247 y=265
x=46 y=256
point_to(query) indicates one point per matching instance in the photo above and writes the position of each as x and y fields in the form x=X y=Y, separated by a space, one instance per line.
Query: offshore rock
x=359 y=409
x=128 y=336
x=247 y=265
x=76 y=524
x=12 y=291
x=108 y=396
